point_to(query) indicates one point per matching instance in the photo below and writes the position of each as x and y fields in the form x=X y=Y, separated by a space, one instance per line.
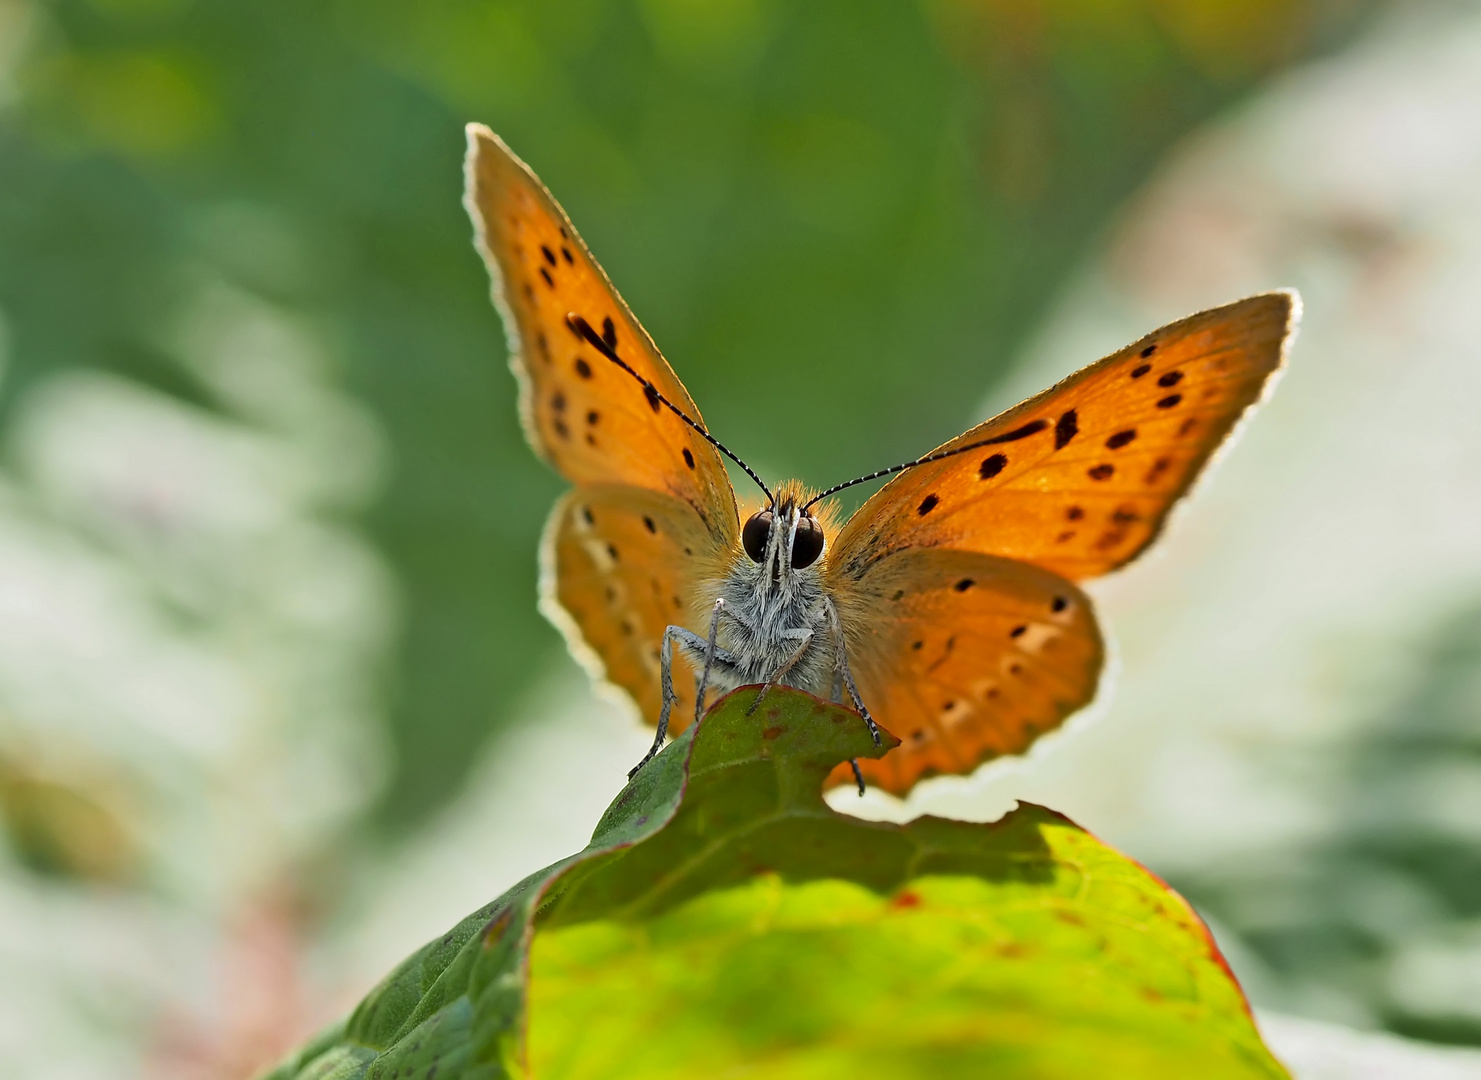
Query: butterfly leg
x=694 y=645
x=704 y=677
x=841 y=652
x=787 y=665
x=836 y=695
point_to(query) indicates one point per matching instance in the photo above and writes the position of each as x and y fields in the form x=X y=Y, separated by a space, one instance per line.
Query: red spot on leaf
x=773 y=732
x=905 y=900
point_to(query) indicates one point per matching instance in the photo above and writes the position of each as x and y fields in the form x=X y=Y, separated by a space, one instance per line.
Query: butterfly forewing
x=965 y=657
x=594 y=421
x=1080 y=478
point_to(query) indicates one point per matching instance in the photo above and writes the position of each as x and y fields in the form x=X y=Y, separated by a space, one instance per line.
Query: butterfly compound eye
x=753 y=536
x=808 y=544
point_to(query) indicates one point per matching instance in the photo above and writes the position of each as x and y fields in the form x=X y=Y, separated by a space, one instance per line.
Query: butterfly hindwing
x=620 y=565
x=1080 y=478
x=593 y=421
x=965 y=657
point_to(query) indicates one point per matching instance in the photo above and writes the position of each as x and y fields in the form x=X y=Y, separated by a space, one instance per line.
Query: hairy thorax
x=768 y=623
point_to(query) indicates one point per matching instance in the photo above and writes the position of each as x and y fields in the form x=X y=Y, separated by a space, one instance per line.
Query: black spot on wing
x=688 y=458
x=927 y=504
x=1102 y=472
x=1169 y=401
x=1140 y=370
x=1120 y=439
x=583 y=368
x=1169 y=378
x=648 y=524
x=652 y=396
x=1149 y=350
x=1074 y=513
x=546 y=275
x=549 y=255
x=1066 y=429
x=592 y=417
x=609 y=332
x=963 y=585
x=1060 y=603
x=992 y=466
x=1018 y=631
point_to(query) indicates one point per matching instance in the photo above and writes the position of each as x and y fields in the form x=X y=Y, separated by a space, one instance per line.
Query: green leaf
x=726 y=921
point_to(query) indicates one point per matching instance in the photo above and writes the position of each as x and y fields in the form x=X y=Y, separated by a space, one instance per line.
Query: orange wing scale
x=592 y=420
x=619 y=563
x=1079 y=479
x=653 y=510
x=1071 y=484
x=965 y=657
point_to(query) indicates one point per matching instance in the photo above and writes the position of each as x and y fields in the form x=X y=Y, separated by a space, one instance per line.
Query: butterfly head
x=784 y=540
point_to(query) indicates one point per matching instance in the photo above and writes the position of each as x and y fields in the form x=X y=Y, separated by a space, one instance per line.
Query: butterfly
x=946 y=607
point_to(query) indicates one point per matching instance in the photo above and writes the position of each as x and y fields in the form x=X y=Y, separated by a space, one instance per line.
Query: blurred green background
x=267 y=521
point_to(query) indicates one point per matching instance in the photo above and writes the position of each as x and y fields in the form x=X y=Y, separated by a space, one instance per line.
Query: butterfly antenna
x=1012 y=436
x=606 y=345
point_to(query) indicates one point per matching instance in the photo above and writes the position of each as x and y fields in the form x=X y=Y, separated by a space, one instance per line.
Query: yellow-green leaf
x=725 y=921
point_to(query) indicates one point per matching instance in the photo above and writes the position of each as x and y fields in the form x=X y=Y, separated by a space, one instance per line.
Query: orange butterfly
x=945 y=606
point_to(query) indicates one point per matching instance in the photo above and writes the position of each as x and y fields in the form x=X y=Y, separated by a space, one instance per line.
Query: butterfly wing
x=965 y=657
x=653 y=512
x=588 y=417
x=1080 y=478
x=1070 y=484
x=619 y=564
